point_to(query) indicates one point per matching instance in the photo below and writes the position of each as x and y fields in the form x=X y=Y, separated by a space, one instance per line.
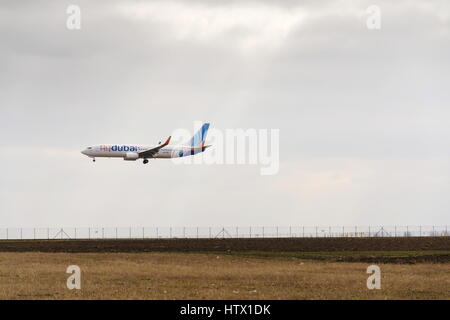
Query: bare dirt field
x=36 y=275
x=382 y=250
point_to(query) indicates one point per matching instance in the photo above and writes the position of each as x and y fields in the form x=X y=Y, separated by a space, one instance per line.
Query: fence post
x=369 y=231
x=277 y=232
x=290 y=232
x=317 y=232
x=420 y=231
x=34 y=233
x=303 y=231
x=116 y=234
x=170 y=231
x=7 y=233
x=263 y=232
x=237 y=232
x=75 y=233
x=157 y=233
x=143 y=232
x=197 y=232
x=250 y=232
x=210 y=232
x=48 y=233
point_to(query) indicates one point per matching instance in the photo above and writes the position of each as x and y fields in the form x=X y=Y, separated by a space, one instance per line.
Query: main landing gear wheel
x=145 y=161
x=93 y=160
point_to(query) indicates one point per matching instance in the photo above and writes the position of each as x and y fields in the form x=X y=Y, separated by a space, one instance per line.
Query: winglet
x=167 y=141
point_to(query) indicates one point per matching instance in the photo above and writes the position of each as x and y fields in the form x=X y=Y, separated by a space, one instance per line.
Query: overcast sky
x=364 y=115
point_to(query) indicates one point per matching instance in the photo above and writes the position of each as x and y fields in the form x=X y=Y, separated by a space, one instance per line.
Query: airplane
x=132 y=153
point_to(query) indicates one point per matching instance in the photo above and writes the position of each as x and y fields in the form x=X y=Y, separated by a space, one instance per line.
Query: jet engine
x=131 y=156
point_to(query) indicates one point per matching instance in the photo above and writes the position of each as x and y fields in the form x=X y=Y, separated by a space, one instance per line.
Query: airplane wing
x=149 y=153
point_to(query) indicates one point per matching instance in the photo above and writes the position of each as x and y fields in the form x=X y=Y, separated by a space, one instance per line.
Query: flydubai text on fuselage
x=130 y=152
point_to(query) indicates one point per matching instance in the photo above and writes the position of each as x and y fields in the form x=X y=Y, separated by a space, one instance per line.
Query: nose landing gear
x=145 y=161
x=93 y=160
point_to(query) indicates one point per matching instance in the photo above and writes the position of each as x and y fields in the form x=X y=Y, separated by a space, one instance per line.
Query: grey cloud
x=334 y=89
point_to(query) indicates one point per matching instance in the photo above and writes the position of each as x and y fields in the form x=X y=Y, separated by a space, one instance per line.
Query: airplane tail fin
x=198 y=140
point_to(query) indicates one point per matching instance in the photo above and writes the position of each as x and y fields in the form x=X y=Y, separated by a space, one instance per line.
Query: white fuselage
x=131 y=152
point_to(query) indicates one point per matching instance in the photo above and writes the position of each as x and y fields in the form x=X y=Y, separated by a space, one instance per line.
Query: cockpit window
x=89 y=148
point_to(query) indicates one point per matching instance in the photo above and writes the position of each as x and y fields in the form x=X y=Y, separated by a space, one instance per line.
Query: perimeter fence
x=221 y=232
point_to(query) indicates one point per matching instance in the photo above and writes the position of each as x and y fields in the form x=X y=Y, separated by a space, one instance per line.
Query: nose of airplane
x=84 y=152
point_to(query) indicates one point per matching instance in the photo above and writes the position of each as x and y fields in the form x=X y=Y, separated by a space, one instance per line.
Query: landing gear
x=93 y=160
x=145 y=161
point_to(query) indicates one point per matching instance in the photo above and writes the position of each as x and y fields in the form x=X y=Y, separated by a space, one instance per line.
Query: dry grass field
x=35 y=275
